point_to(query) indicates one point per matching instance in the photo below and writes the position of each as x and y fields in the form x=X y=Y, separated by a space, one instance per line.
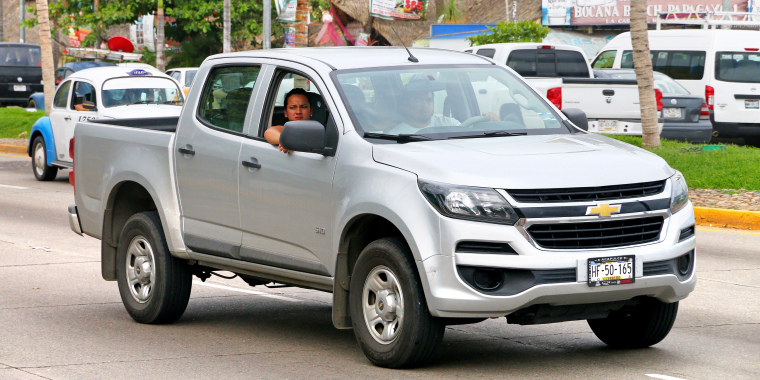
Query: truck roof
x=691 y=39
x=527 y=45
x=345 y=58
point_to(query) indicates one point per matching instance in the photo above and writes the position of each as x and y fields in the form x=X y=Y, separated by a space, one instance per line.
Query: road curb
x=738 y=219
x=13 y=149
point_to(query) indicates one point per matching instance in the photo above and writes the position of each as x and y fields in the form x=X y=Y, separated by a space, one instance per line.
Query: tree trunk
x=2 y=22
x=160 y=61
x=301 y=24
x=46 y=47
x=227 y=27
x=642 y=64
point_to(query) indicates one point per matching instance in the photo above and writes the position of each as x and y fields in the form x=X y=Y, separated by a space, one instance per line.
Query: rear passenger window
x=487 y=52
x=62 y=95
x=571 y=64
x=737 y=67
x=605 y=60
x=225 y=96
x=523 y=61
x=689 y=65
x=548 y=63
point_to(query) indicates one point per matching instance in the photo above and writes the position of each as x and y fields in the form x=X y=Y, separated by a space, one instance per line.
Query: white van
x=722 y=65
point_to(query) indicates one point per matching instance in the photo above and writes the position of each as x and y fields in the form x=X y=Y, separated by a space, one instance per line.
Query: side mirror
x=305 y=136
x=576 y=117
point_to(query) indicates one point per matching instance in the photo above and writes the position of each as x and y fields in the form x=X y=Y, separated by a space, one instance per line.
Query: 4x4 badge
x=603 y=209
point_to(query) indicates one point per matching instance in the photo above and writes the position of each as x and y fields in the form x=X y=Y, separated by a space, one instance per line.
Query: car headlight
x=680 y=194
x=471 y=203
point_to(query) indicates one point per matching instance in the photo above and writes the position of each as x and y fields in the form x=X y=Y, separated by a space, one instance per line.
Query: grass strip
x=736 y=167
x=14 y=121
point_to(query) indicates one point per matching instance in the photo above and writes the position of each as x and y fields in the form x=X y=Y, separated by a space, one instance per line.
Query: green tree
x=523 y=31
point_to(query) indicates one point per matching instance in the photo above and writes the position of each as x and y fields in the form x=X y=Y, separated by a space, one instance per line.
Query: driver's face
x=298 y=108
x=420 y=106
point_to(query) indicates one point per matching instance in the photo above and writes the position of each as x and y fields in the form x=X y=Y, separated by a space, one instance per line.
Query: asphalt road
x=60 y=320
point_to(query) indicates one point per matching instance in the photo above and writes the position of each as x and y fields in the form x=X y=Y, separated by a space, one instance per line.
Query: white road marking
x=15 y=187
x=247 y=291
x=663 y=377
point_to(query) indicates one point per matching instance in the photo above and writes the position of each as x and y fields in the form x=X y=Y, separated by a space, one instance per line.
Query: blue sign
x=138 y=72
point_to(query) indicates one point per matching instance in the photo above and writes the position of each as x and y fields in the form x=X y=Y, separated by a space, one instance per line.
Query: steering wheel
x=474 y=120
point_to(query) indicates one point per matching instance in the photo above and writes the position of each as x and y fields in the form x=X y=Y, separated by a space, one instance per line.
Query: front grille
x=597 y=234
x=582 y=194
x=484 y=247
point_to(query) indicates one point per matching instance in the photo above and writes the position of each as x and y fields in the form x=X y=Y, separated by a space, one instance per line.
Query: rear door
x=60 y=119
x=206 y=161
x=737 y=87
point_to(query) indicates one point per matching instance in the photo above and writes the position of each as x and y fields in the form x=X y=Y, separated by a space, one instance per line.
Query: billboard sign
x=409 y=10
x=618 y=12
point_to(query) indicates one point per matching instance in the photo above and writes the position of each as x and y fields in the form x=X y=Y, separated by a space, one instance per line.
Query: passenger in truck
x=297 y=107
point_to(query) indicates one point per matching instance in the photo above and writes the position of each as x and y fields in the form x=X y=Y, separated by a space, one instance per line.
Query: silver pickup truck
x=415 y=204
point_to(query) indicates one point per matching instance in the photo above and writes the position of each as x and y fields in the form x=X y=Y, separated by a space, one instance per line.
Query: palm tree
x=642 y=64
x=160 y=61
x=46 y=45
x=302 y=28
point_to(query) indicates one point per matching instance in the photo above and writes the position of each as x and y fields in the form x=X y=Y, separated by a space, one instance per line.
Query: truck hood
x=526 y=162
x=140 y=110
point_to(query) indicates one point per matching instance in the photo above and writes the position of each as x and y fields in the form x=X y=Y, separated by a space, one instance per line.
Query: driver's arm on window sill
x=272 y=134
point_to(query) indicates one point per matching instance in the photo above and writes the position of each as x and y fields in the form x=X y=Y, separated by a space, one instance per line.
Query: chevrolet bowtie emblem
x=603 y=210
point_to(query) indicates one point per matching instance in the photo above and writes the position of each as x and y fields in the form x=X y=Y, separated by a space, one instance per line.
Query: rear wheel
x=42 y=171
x=32 y=104
x=643 y=325
x=154 y=285
x=389 y=314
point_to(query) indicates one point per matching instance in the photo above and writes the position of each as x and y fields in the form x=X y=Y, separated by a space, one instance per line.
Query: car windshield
x=140 y=90
x=662 y=82
x=439 y=102
x=19 y=56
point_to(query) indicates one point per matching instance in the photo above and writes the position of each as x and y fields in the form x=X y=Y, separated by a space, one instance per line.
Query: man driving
x=417 y=110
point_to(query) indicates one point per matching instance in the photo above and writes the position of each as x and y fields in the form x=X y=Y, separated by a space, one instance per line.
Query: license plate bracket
x=19 y=87
x=752 y=104
x=611 y=270
x=671 y=113
x=608 y=125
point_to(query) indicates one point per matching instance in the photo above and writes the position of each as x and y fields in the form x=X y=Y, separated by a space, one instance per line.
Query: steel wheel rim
x=383 y=305
x=39 y=159
x=140 y=264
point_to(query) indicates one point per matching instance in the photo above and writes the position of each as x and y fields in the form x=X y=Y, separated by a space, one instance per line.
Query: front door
x=208 y=145
x=286 y=204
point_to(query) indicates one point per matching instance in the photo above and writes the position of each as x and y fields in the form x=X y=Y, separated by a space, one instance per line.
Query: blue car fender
x=39 y=100
x=42 y=127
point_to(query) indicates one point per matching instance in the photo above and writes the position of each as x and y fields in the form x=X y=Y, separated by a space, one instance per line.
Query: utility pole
x=160 y=56
x=727 y=8
x=266 y=35
x=22 y=13
x=227 y=27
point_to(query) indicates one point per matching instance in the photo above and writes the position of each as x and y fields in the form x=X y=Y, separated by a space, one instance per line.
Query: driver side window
x=285 y=82
x=84 y=97
x=225 y=96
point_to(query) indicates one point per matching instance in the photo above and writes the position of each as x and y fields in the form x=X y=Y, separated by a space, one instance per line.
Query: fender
x=39 y=100
x=42 y=126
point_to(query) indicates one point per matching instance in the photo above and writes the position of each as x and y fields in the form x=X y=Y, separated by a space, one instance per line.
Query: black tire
x=42 y=171
x=32 y=104
x=419 y=334
x=643 y=325
x=170 y=287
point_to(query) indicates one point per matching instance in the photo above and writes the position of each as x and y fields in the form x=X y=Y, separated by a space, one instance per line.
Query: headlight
x=680 y=195
x=471 y=203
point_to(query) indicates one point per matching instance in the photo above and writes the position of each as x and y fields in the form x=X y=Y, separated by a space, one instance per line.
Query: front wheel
x=154 y=285
x=643 y=325
x=389 y=313
x=42 y=171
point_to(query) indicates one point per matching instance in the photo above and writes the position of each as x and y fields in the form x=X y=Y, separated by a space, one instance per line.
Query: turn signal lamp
x=658 y=97
x=710 y=97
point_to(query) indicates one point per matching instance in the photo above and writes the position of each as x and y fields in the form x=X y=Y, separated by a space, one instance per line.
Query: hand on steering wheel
x=474 y=120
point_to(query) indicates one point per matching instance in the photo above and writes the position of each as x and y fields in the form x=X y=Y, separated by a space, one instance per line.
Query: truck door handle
x=187 y=150
x=252 y=164
x=67 y=118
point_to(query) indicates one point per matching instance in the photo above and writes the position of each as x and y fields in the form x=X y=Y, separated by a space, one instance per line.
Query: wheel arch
x=43 y=128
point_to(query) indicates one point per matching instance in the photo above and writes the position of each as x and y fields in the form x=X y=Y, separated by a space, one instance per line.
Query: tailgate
x=603 y=98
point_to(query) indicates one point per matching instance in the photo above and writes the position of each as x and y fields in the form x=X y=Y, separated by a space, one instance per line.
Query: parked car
x=37 y=100
x=724 y=65
x=97 y=93
x=563 y=75
x=20 y=72
x=686 y=116
x=463 y=219
x=184 y=76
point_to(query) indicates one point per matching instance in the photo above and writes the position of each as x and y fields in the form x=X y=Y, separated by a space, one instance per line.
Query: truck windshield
x=737 y=67
x=140 y=90
x=19 y=56
x=438 y=102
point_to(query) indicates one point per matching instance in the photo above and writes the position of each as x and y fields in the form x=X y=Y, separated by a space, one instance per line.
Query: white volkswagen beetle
x=98 y=93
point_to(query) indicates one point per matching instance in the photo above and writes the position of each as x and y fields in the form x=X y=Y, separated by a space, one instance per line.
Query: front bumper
x=448 y=295
x=74 y=220
x=737 y=129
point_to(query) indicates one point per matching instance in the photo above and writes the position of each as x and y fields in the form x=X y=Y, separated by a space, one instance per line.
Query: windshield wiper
x=490 y=134
x=404 y=137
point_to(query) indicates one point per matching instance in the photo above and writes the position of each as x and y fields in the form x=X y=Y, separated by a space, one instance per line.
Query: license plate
x=752 y=104
x=19 y=87
x=616 y=270
x=608 y=125
x=671 y=113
